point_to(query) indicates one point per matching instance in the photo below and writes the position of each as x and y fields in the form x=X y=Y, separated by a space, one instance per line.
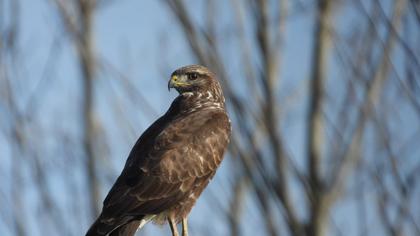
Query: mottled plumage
x=173 y=160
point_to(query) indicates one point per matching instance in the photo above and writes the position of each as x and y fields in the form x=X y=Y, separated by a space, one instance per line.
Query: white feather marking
x=187 y=94
x=201 y=159
x=145 y=220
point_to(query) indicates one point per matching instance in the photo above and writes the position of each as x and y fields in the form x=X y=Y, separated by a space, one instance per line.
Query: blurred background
x=324 y=97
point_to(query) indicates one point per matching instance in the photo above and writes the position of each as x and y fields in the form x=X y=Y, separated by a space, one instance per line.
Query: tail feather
x=126 y=227
x=130 y=229
x=100 y=228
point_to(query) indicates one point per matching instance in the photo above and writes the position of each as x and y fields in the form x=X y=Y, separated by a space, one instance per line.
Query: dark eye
x=193 y=76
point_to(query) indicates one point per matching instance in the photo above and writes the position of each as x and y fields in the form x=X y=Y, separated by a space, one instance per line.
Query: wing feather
x=160 y=173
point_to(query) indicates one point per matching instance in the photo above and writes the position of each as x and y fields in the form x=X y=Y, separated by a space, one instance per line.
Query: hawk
x=172 y=161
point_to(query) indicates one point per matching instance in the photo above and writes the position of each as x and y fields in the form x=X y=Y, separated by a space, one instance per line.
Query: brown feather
x=173 y=160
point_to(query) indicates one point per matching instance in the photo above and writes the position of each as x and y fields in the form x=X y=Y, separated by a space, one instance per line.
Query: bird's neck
x=189 y=102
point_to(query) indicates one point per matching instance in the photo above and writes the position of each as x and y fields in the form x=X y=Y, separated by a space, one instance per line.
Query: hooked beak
x=172 y=81
x=177 y=82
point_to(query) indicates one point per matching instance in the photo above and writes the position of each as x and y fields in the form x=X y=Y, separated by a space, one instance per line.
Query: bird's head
x=192 y=78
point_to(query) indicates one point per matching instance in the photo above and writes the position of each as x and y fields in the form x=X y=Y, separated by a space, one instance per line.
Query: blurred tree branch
x=341 y=133
x=316 y=142
x=326 y=185
x=77 y=17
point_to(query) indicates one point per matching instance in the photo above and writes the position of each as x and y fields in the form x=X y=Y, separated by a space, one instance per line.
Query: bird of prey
x=172 y=161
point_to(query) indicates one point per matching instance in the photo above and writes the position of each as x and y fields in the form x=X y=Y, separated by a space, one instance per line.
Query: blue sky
x=142 y=40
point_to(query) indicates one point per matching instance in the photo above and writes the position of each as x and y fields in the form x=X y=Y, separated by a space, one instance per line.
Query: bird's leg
x=184 y=227
x=172 y=225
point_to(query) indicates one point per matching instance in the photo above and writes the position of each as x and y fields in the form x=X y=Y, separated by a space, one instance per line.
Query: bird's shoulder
x=191 y=147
